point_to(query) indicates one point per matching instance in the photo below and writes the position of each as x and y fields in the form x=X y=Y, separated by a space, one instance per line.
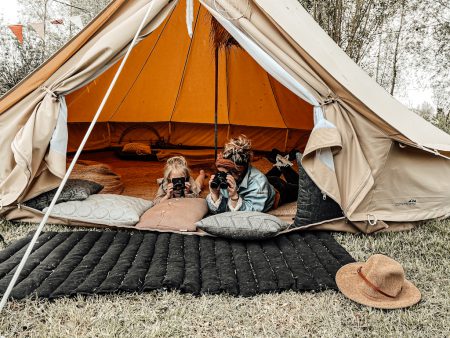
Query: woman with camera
x=238 y=186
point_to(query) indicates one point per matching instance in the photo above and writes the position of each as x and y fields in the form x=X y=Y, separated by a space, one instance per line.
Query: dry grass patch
x=424 y=252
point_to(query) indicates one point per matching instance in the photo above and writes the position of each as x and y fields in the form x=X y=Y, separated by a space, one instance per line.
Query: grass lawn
x=424 y=253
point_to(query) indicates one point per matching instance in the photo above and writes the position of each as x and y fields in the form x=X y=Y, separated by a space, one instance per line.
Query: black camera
x=178 y=186
x=220 y=180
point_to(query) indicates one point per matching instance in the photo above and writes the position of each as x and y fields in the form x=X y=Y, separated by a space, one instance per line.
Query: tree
x=402 y=44
x=352 y=24
x=17 y=61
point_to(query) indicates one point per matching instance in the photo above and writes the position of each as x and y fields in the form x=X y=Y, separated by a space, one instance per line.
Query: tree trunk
x=397 y=49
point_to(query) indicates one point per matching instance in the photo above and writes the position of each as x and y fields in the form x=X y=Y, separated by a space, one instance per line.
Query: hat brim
x=351 y=285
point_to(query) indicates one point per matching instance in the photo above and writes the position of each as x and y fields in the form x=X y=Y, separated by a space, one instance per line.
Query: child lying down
x=177 y=181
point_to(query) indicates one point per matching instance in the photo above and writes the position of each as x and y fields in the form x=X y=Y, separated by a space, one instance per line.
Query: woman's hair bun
x=239 y=150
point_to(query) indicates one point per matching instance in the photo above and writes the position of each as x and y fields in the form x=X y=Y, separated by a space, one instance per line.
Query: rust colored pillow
x=176 y=214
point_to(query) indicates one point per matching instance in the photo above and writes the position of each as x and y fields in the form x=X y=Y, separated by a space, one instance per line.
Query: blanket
x=97 y=262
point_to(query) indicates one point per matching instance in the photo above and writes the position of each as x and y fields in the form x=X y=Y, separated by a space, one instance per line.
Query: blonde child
x=176 y=168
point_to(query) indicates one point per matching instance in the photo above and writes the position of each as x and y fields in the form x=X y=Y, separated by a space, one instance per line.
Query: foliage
x=27 y=57
x=402 y=44
x=352 y=24
x=17 y=61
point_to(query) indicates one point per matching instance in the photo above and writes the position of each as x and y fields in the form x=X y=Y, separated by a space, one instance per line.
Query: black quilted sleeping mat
x=96 y=262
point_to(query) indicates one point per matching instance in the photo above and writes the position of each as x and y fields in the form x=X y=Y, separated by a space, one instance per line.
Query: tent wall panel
x=296 y=113
x=99 y=138
x=297 y=139
x=107 y=134
x=251 y=99
x=86 y=100
x=196 y=100
x=393 y=200
x=202 y=135
x=123 y=132
x=262 y=138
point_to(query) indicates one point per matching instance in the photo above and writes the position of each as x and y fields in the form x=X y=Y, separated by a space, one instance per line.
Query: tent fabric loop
x=50 y=92
x=224 y=13
x=372 y=219
x=329 y=100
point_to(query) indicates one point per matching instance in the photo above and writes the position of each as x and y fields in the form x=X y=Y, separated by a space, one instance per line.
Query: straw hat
x=380 y=282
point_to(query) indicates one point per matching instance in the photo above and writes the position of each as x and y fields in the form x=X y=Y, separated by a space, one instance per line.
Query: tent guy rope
x=72 y=164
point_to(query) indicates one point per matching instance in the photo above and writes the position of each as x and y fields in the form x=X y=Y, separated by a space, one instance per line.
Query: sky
x=412 y=98
x=9 y=10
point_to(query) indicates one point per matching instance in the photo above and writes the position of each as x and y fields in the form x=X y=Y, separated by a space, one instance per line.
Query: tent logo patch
x=411 y=202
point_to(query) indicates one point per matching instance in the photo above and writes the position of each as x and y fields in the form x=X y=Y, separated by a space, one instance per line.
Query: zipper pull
x=324 y=195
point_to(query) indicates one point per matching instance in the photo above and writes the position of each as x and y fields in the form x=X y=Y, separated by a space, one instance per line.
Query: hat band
x=368 y=282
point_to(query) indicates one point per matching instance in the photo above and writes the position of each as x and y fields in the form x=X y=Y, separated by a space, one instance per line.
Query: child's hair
x=176 y=163
x=238 y=150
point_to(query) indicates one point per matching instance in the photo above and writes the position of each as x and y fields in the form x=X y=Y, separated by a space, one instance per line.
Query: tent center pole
x=216 y=100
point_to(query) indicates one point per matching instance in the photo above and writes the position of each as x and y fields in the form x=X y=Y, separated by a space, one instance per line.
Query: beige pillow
x=176 y=214
x=111 y=210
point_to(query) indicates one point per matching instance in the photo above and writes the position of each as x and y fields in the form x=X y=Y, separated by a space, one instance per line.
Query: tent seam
x=370 y=205
x=180 y=86
x=142 y=68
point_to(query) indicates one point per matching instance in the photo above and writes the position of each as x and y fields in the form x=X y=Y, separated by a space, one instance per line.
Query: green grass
x=424 y=253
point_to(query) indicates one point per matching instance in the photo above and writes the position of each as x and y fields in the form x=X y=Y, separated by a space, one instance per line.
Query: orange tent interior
x=168 y=89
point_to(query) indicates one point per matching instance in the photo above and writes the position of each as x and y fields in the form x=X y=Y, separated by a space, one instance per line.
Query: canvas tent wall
x=377 y=159
x=169 y=83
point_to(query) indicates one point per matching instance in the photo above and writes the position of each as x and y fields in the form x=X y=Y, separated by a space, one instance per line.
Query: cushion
x=105 y=209
x=243 y=225
x=312 y=205
x=100 y=173
x=175 y=214
x=137 y=148
x=74 y=190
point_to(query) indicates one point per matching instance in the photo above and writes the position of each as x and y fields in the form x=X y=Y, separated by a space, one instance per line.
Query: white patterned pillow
x=106 y=209
x=242 y=225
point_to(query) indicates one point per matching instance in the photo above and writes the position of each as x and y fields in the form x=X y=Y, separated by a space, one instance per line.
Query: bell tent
x=279 y=79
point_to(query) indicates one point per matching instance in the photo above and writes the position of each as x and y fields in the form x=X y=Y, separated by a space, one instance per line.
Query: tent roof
x=346 y=78
x=41 y=74
x=171 y=77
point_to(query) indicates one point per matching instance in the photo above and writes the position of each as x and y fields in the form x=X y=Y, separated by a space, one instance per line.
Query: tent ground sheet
x=96 y=262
